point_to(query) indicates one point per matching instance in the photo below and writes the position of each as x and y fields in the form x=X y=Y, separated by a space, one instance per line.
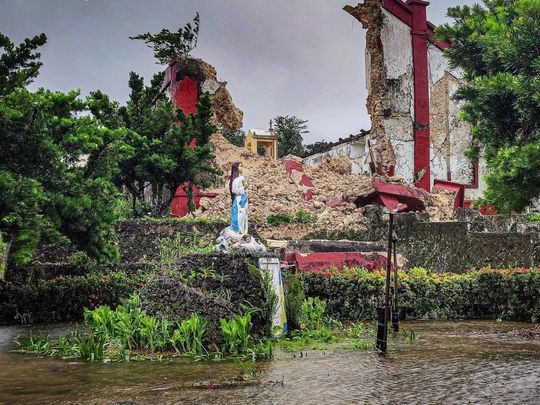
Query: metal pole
x=395 y=309
x=382 y=328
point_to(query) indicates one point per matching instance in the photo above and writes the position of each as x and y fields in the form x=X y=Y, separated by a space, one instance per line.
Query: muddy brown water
x=451 y=362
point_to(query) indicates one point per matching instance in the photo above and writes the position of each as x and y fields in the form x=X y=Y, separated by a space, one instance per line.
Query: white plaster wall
x=368 y=70
x=398 y=59
x=473 y=194
x=354 y=150
x=404 y=152
x=438 y=164
x=439 y=153
x=453 y=136
x=396 y=42
x=437 y=65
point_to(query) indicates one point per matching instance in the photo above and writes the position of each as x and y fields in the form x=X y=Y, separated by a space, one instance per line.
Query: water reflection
x=451 y=362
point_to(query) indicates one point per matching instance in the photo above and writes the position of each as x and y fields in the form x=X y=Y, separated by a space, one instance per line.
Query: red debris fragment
x=394 y=197
x=305 y=181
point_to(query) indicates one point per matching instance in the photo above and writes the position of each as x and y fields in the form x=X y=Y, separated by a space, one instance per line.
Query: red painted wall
x=185 y=96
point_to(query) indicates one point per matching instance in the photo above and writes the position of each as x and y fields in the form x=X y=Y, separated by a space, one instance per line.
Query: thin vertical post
x=395 y=309
x=384 y=312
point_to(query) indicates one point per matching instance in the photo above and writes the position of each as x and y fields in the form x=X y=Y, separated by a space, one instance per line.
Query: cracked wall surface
x=370 y=15
x=390 y=103
x=354 y=150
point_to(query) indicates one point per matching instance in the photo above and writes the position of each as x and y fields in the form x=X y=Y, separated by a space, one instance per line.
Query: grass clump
x=317 y=331
x=278 y=219
x=301 y=217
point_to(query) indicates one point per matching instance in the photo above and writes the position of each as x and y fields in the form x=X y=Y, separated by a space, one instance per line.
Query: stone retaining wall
x=458 y=246
x=137 y=239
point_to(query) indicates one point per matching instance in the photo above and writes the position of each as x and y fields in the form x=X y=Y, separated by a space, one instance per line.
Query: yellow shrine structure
x=265 y=138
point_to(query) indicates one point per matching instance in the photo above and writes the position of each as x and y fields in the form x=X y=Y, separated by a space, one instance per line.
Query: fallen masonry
x=274 y=190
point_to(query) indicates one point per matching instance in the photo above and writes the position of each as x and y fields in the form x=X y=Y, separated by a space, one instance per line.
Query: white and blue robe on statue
x=239 y=209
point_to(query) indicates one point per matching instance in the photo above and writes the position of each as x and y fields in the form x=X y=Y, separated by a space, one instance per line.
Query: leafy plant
x=68 y=202
x=269 y=303
x=264 y=350
x=494 y=45
x=167 y=44
x=81 y=260
x=294 y=301
x=303 y=217
x=192 y=331
x=290 y=131
x=236 y=333
x=356 y=330
x=278 y=219
x=24 y=318
x=483 y=293
x=170 y=250
x=533 y=218
x=314 y=311
x=300 y=217
x=38 y=344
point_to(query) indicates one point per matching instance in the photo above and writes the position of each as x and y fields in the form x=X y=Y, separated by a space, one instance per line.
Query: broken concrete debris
x=274 y=191
x=186 y=78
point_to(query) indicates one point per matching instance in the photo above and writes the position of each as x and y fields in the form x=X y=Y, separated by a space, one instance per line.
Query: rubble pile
x=440 y=204
x=273 y=191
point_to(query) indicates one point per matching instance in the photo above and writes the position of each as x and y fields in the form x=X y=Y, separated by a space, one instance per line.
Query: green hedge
x=64 y=297
x=355 y=294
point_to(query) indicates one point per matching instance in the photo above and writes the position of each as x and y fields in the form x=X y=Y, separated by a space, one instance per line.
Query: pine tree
x=55 y=163
x=167 y=44
x=498 y=48
x=290 y=132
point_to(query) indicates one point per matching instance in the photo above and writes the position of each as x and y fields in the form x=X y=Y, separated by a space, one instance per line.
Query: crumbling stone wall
x=137 y=239
x=370 y=14
x=223 y=286
x=458 y=246
x=223 y=109
x=390 y=103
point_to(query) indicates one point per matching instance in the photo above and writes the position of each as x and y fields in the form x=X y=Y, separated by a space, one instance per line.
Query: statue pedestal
x=229 y=240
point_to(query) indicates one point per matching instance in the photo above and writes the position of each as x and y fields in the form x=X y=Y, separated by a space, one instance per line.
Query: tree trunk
x=5 y=259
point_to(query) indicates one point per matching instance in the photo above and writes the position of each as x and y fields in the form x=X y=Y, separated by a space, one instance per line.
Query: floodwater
x=450 y=362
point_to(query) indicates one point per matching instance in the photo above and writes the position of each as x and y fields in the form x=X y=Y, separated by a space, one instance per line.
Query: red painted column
x=421 y=94
x=185 y=98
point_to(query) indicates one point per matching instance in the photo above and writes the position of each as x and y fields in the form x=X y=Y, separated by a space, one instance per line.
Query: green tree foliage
x=167 y=44
x=237 y=137
x=316 y=147
x=163 y=157
x=290 y=132
x=19 y=64
x=47 y=191
x=497 y=46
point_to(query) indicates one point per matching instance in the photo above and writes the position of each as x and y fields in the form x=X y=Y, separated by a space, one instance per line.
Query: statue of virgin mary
x=239 y=195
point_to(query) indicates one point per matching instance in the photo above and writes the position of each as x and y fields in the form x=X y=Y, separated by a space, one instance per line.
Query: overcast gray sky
x=279 y=57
